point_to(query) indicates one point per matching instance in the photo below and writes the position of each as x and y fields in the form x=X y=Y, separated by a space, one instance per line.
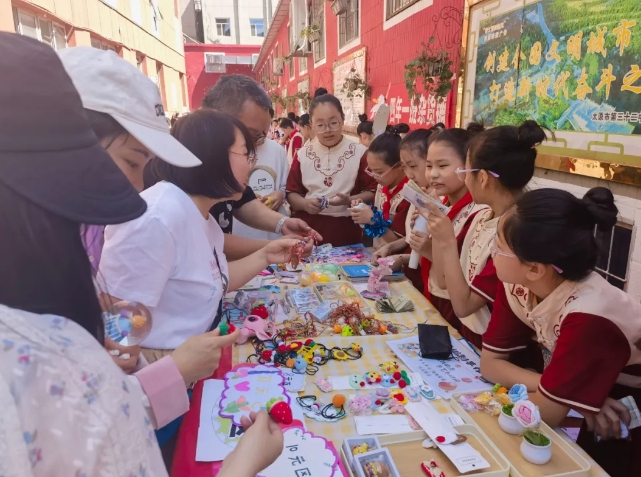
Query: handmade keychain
x=329 y=413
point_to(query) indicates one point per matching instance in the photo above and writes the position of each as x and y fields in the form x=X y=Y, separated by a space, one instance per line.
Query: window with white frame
x=257 y=26
x=215 y=63
x=394 y=7
x=40 y=29
x=615 y=253
x=348 y=27
x=302 y=65
x=223 y=27
x=317 y=17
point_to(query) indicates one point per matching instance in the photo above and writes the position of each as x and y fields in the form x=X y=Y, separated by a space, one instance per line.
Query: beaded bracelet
x=378 y=225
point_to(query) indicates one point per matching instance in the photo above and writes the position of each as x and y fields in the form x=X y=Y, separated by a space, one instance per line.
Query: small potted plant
x=355 y=86
x=311 y=33
x=339 y=6
x=536 y=447
x=507 y=421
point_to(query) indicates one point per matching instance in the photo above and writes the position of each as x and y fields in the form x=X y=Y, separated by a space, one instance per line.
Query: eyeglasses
x=376 y=176
x=331 y=127
x=495 y=251
x=462 y=172
x=251 y=158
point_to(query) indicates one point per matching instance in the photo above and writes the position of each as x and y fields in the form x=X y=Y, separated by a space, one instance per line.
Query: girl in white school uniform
x=500 y=162
x=328 y=174
x=590 y=331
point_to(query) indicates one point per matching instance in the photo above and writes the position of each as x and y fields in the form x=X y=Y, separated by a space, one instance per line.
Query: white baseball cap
x=111 y=85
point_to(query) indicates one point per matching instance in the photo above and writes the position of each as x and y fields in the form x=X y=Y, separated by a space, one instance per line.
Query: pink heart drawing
x=244 y=386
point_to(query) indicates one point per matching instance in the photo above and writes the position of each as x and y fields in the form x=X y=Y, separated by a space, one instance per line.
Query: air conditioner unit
x=244 y=60
x=215 y=63
x=230 y=60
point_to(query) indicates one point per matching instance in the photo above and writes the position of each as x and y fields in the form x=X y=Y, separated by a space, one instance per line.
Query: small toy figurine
x=389 y=366
x=372 y=377
x=360 y=449
x=431 y=469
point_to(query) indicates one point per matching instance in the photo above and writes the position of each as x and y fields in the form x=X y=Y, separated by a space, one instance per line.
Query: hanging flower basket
x=433 y=70
x=311 y=33
x=354 y=86
x=339 y=6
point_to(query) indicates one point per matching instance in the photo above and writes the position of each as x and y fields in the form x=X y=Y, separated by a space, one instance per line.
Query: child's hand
x=439 y=225
x=261 y=444
x=312 y=206
x=413 y=219
x=128 y=365
x=607 y=423
x=420 y=242
x=362 y=215
x=382 y=252
x=340 y=199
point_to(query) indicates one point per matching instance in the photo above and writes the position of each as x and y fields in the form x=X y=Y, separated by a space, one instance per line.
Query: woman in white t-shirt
x=171 y=259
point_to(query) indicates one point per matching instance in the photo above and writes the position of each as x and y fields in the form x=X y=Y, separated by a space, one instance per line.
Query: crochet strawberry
x=281 y=412
x=260 y=310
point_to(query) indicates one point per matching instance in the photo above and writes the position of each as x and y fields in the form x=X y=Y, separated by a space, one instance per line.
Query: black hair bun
x=530 y=134
x=362 y=117
x=599 y=202
x=475 y=127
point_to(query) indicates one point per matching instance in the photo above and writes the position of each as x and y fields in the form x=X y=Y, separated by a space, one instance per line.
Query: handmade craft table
x=375 y=351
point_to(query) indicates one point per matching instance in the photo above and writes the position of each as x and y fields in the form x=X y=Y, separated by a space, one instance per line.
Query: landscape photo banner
x=571 y=65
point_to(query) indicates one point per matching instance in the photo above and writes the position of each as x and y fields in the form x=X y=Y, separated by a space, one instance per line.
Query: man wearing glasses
x=243 y=98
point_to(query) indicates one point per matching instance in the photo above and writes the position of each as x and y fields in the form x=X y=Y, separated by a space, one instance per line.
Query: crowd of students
x=100 y=203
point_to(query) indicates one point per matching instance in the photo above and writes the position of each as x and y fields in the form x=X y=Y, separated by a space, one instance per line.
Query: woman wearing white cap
x=125 y=111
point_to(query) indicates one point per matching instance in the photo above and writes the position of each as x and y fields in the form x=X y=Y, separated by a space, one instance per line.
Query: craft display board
x=446 y=377
x=352 y=107
x=564 y=64
x=408 y=453
x=565 y=460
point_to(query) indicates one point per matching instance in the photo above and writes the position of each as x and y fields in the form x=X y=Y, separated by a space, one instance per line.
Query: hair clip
x=413 y=394
x=324 y=385
x=360 y=405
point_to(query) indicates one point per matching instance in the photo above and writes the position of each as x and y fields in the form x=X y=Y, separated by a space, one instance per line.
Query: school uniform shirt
x=67 y=409
x=589 y=331
x=223 y=212
x=295 y=143
x=478 y=266
x=319 y=171
x=269 y=175
x=165 y=260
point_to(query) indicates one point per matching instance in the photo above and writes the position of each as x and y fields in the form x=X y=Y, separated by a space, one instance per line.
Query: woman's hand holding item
x=340 y=199
x=280 y=251
x=199 y=356
x=261 y=444
x=607 y=423
x=127 y=364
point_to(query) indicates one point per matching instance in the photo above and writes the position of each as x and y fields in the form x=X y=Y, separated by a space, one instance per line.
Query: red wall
x=198 y=81
x=388 y=51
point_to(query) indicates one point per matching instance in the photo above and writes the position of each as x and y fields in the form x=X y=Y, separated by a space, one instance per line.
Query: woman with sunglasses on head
x=545 y=254
x=171 y=259
x=328 y=174
x=384 y=165
x=446 y=154
x=500 y=163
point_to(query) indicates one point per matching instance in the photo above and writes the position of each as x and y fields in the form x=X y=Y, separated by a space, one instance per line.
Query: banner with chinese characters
x=423 y=112
x=571 y=65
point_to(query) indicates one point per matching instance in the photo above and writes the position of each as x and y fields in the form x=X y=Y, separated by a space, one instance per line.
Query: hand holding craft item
x=280 y=411
x=127 y=322
x=376 y=274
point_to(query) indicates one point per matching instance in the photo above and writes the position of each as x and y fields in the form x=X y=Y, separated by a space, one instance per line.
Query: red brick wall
x=198 y=81
x=387 y=53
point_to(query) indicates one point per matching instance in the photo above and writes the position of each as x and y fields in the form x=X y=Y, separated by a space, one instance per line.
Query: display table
x=375 y=351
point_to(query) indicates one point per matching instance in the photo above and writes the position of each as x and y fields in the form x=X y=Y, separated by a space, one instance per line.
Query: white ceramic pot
x=509 y=424
x=536 y=454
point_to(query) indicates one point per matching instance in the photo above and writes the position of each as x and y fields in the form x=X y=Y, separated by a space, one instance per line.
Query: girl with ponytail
x=590 y=332
x=500 y=163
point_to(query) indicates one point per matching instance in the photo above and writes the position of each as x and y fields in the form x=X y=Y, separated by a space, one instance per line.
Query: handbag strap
x=225 y=281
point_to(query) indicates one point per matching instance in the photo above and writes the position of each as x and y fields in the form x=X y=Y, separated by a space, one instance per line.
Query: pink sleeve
x=165 y=388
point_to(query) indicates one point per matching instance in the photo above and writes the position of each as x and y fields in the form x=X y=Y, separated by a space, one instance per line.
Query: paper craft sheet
x=304 y=455
x=461 y=374
x=218 y=436
x=248 y=387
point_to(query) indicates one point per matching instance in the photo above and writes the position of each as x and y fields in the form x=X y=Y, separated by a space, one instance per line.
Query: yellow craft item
x=483 y=399
x=504 y=399
x=138 y=321
x=323 y=279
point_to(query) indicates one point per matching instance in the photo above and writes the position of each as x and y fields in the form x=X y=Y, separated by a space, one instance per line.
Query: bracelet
x=378 y=226
x=279 y=225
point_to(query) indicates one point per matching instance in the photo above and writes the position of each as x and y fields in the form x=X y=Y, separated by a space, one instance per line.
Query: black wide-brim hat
x=48 y=152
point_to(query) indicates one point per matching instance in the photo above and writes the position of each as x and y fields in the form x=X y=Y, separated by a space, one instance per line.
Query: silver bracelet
x=279 y=225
